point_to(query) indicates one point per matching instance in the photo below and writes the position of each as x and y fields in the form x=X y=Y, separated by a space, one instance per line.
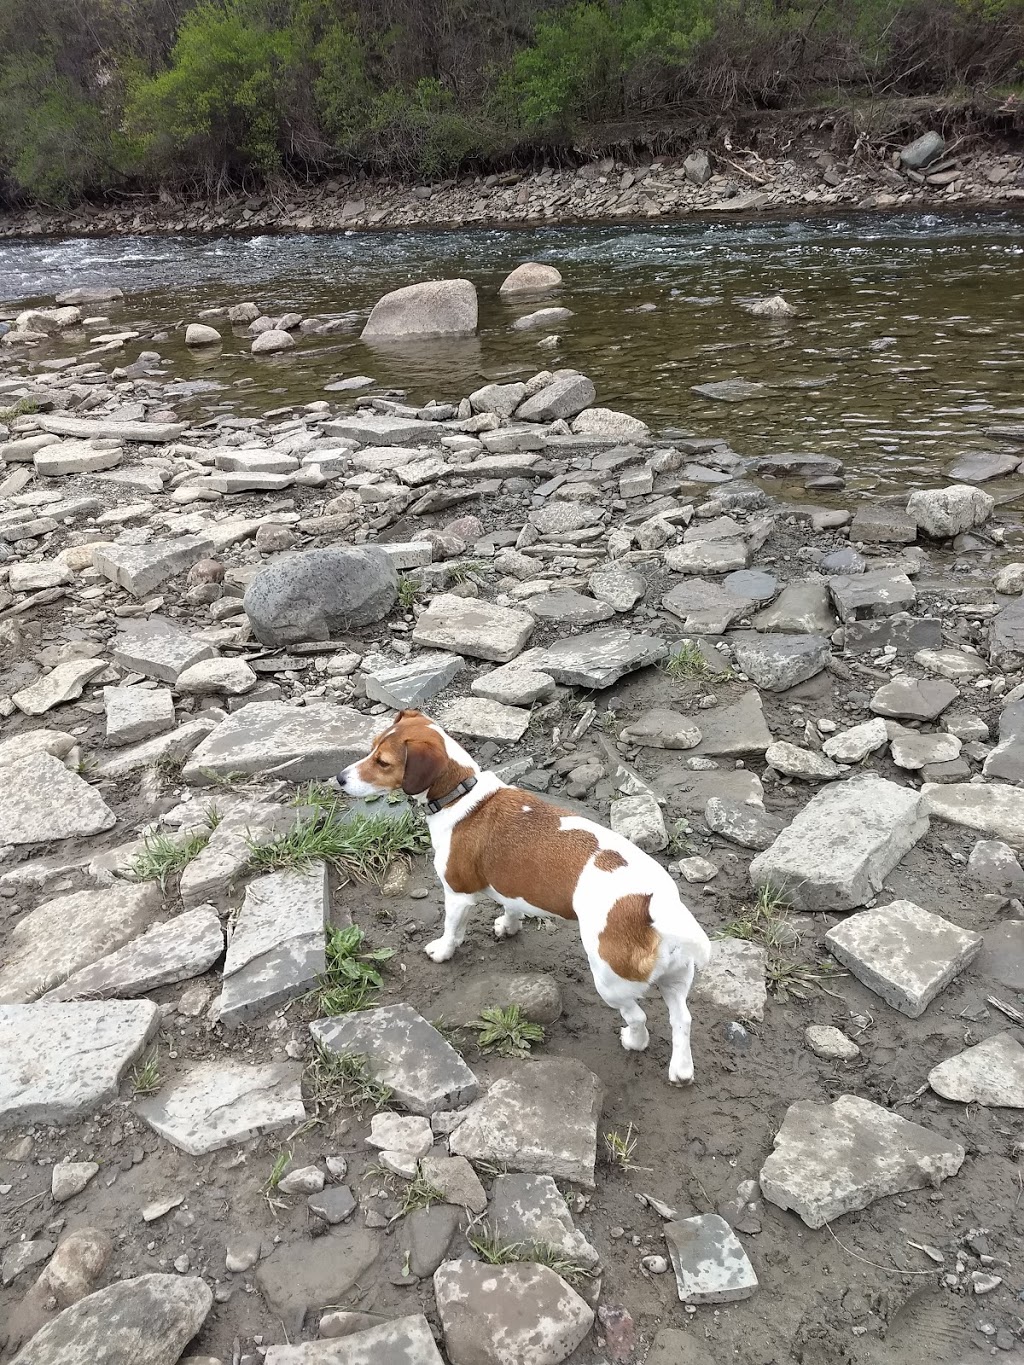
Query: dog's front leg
x=456 y=917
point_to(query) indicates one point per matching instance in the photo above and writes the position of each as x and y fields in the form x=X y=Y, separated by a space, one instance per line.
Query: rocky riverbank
x=244 y=1118
x=807 y=177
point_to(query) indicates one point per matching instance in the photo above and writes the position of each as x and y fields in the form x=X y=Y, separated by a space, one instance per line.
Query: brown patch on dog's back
x=608 y=860
x=513 y=842
x=629 y=941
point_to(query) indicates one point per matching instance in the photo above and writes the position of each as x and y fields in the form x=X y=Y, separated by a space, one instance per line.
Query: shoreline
x=600 y=193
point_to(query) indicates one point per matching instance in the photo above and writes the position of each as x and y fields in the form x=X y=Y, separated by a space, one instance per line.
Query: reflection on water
x=908 y=343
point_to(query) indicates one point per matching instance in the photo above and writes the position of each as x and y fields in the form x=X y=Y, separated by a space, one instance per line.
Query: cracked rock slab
x=404 y=1052
x=63 y=683
x=215 y=1104
x=274 y=739
x=521 y=1314
x=989 y=809
x=541 y=1119
x=903 y=953
x=991 y=1073
x=61 y=1061
x=159 y=648
x=473 y=628
x=177 y=950
x=530 y=1209
x=709 y=1261
x=831 y=1159
x=42 y=800
x=403 y=1341
x=599 y=658
x=776 y=662
x=142 y=568
x=840 y=848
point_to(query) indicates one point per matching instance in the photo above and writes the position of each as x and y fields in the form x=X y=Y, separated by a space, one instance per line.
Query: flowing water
x=907 y=345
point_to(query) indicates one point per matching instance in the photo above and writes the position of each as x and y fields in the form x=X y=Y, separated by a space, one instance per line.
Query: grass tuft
x=146 y=1078
x=352 y=979
x=621 y=1146
x=767 y=923
x=365 y=847
x=163 y=857
x=687 y=661
x=24 y=407
x=337 y=1080
x=506 y=1031
x=491 y=1249
x=409 y=591
x=281 y=1163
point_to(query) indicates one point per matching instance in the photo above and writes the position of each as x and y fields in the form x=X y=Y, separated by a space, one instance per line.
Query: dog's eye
x=383 y=763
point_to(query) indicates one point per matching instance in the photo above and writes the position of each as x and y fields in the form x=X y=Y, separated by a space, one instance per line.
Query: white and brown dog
x=535 y=859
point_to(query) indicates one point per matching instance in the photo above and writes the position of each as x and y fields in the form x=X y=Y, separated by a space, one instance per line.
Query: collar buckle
x=456 y=793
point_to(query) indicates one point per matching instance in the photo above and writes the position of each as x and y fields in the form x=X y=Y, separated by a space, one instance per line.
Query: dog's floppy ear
x=424 y=763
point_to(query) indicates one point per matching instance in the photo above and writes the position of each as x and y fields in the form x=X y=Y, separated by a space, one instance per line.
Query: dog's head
x=411 y=755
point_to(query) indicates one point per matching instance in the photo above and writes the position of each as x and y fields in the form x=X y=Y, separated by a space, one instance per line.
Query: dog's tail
x=682 y=936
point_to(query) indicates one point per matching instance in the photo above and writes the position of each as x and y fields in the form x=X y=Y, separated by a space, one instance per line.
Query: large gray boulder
x=434 y=308
x=321 y=593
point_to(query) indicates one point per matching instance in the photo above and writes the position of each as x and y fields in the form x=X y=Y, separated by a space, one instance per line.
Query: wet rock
x=336 y=1204
x=830 y=1043
x=946 y=512
x=480 y=718
x=875 y=523
x=840 y=848
x=978 y=466
x=744 y=823
x=404 y=1052
x=137 y=713
x=140 y=569
x=198 y=334
x=64 y=683
x=599 y=658
x=905 y=954
x=988 y=809
x=427 y=1235
x=434 y=308
x=143 y=1321
x=494 y=1315
x=709 y=1261
x=405 y=1341
x=64 y=1061
x=69 y=1178
x=272 y=738
x=276 y=947
x=662 y=729
x=854 y=745
x=412 y=684
x=456 y=1181
x=734 y=979
x=537 y=994
x=704 y=607
x=529 y=1210
x=804 y=763
x=1006 y=638
x=272 y=341
x=914 y=698
x=318 y=594
x=316 y=1273
x=777 y=662
x=184 y=947
x=215 y=1104
x=563 y=399
x=542 y=1120
x=996 y=868
x=67 y=933
x=542 y=317
x=731 y=390
x=530 y=278
x=639 y=819
x=990 y=1073
x=735 y=730
x=831 y=1159
x=474 y=628
x=159 y=648
x=867 y=596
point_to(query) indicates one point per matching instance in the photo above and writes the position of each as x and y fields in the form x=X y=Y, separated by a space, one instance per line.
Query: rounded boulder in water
x=319 y=594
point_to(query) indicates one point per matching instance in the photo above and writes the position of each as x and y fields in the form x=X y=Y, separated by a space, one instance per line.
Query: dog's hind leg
x=674 y=992
x=623 y=996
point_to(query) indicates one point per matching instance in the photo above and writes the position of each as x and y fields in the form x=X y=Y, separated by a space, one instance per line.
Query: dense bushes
x=203 y=94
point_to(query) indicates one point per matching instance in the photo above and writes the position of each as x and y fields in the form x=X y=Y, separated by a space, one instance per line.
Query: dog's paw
x=507 y=926
x=634 y=1039
x=439 y=950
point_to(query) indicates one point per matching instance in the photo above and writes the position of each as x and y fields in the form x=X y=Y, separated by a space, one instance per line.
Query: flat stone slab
x=841 y=847
x=275 y=739
x=473 y=628
x=805 y=764
x=496 y=1315
x=705 y=608
x=1006 y=637
x=734 y=980
x=63 y=683
x=405 y=1053
x=731 y=391
x=989 y=809
x=912 y=750
x=309 y=1274
x=707 y=556
x=1002 y=959
x=276 y=948
x=159 y=648
x=661 y=728
x=481 y=718
x=42 y=800
x=709 y=1261
x=137 y=713
x=879 y=592
x=71 y=931
x=776 y=662
x=542 y=1120
x=991 y=1073
x=171 y=745
x=914 y=698
x=536 y=993
x=411 y=685
x=733 y=731
x=599 y=658
x=142 y=568
x=530 y=1210
x=379 y=430
x=567 y=608
x=145 y=1321
x=108 y=428
x=62 y=1061
x=403 y=1341
x=978 y=466
x=177 y=950
x=854 y=745
x=905 y=954
x=831 y=1159
x=215 y=1104
x=803 y=607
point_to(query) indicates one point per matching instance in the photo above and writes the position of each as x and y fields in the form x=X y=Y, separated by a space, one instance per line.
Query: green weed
x=281 y=1164
x=409 y=592
x=146 y=1078
x=490 y=1248
x=767 y=922
x=351 y=980
x=338 y=1080
x=621 y=1146
x=688 y=662
x=24 y=407
x=365 y=847
x=163 y=857
x=506 y=1031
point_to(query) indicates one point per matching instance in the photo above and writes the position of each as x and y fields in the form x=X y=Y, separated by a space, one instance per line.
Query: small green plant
x=212 y=816
x=171 y=767
x=767 y=923
x=409 y=591
x=338 y=1080
x=352 y=978
x=146 y=1078
x=24 y=407
x=491 y=1249
x=687 y=661
x=465 y=571
x=162 y=857
x=680 y=844
x=364 y=847
x=418 y=1194
x=281 y=1163
x=620 y=1148
x=506 y=1031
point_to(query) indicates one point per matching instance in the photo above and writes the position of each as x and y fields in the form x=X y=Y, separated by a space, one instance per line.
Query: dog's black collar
x=465 y=786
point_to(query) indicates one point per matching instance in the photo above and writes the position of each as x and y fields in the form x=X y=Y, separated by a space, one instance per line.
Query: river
x=907 y=344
